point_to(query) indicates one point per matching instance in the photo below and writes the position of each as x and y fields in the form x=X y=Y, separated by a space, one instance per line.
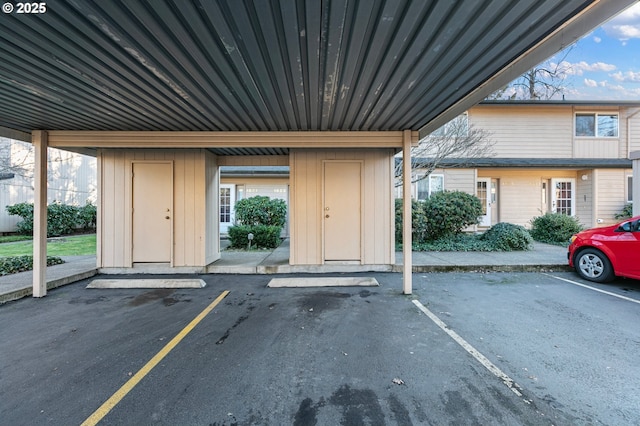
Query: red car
x=600 y=254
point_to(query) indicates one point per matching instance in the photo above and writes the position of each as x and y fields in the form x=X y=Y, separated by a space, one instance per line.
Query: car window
x=628 y=227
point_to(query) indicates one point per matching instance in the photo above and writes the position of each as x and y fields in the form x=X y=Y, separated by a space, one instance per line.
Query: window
x=597 y=125
x=563 y=197
x=629 y=189
x=429 y=186
x=225 y=205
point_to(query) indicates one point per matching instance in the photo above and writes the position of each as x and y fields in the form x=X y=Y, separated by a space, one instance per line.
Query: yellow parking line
x=133 y=381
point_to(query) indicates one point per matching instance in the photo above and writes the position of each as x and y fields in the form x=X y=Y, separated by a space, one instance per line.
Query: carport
x=167 y=91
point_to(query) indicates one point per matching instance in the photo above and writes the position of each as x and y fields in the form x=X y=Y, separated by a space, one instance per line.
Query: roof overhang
x=301 y=66
x=533 y=163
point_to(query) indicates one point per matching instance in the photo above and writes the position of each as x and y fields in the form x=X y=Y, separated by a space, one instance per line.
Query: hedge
x=14 y=264
x=62 y=219
x=264 y=236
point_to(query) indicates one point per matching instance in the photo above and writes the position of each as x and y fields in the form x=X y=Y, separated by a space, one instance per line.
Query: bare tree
x=543 y=82
x=16 y=158
x=457 y=141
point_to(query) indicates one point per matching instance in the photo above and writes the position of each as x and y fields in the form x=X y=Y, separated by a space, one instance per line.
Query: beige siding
x=535 y=131
x=634 y=130
x=585 y=198
x=520 y=197
x=585 y=147
x=460 y=180
x=526 y=131
x=306 y=204
x=189 y=205
x=611 y=196
x=598 y=148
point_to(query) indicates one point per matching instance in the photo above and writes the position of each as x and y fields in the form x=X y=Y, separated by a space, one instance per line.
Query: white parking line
x=508 y=381
x=619 y=296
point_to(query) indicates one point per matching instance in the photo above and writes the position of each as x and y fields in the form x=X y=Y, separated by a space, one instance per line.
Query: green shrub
x=264 y=236
x=554 y=228
x=14 y=264
x=449 y=212
x=62 y=219
x=418 y=221
x=261 y=210
x=25 y=211
x=87 y=216
x=625 y=213
x=507 y=237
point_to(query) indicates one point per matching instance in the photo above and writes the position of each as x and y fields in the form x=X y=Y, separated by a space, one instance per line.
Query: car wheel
x=593 y=265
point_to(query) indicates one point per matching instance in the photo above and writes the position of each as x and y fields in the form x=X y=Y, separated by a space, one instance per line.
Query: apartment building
x=570 y=157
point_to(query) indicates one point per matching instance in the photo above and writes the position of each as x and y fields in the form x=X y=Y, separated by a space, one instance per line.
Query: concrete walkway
x=543 y=257
x=75 y=268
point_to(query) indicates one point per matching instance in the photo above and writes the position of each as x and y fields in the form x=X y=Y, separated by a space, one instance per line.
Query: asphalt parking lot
x=465 y=348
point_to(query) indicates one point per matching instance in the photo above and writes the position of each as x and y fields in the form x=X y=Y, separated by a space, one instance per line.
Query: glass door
x=563 y=196
x=227 y=202
x=482 y=192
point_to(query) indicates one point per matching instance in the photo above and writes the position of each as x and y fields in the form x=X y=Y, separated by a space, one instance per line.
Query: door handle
x=327 y=216
x=167 y=217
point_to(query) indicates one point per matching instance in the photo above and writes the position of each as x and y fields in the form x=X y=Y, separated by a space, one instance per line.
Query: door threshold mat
x=324 y=282
x=147 y=283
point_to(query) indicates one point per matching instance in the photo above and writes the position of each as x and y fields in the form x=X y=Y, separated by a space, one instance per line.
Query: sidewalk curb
x=486 y=268
x=24 y=292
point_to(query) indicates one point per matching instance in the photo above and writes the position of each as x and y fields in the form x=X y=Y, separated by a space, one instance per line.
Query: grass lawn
x=77 y=245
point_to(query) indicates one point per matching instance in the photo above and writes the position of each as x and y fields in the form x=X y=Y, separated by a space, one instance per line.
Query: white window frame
x=555 y=200
x=629 y=188
x=430 y=187
x=595 y=128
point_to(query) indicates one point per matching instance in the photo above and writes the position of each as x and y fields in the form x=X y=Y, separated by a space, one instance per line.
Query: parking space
x=325 y=355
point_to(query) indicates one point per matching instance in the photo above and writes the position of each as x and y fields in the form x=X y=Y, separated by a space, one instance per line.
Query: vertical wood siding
x=306 y=204
x=189 y=213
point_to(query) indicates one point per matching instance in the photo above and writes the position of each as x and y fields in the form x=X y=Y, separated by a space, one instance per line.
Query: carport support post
x=39 y=141
x=635 y=157
x=407 y=243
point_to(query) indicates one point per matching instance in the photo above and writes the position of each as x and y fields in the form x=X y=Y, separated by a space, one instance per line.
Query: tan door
x=152 y=211
x=342 y=210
